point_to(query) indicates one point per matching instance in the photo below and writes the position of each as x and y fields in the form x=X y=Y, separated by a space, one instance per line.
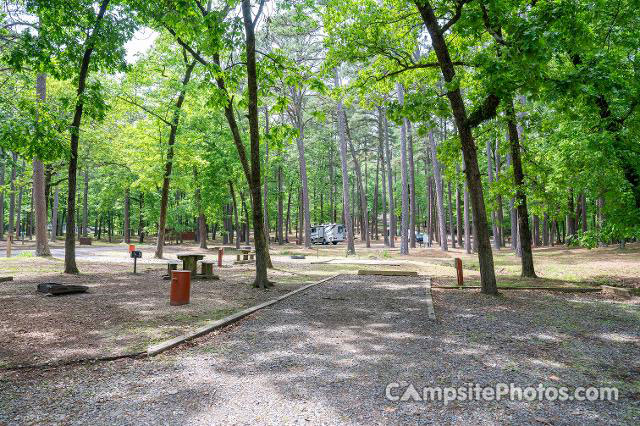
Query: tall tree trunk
x=85 y=206
x=141 y=218
x=451 y=226
x=439 y=192
x=166 y=180
x=374 y=222
x=381 y=155
x=500 y=214
x=545 y=230
x=288 y=220
x=126 y=221
x=202 y=222
x=485 y=255
x=54 y=216
x=2 y=172
x=458 y=210
x=524 y=234
x=266 y=177
x=404 y=241
x=494 y=214
x=70 y=266
x=19 y=208
x=571 y=219
x=351 y=249
x=39 y=197
x=235 y=213
x=513 y=214
x=263 y=261
x=12 y=194
x=392 y=205
x=584 y=212
x=430 y=203
x=412 y=188
x=280 y=224
x=364 y=229
x=467 y=222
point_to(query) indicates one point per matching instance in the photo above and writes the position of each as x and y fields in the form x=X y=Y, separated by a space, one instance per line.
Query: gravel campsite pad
x=326 y=355
x=120 y=314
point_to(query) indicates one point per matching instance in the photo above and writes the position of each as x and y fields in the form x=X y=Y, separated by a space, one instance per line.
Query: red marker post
x=220 y=254
x=459 y=271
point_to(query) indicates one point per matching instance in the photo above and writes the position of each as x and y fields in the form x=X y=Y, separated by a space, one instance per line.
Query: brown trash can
x=180 y=287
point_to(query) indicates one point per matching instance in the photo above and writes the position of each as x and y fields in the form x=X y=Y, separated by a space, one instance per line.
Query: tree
x=345 y=173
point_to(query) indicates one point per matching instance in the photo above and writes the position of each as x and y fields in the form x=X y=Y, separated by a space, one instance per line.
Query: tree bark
x=485 y=255
x=381 y=154
x=39 y=197
x=235 y=213
x=266 y=177
x=288 y=219
x=524 y=234
x=12 y=194
x=364 y=228
x=500 y=214
x=467 y=223
x=85 y=206
x=202 y=222
x=19 y=207
x=450 y=209
x=141 y=218
x=166 y=180
x=494 y=214
x=404 y=227
x=412 y=187
x=70 y=266
x=260 y=239
x=439 y=193
x=584 y=212
x=458 y=210
x=2 y=172
x=54 y=216
x=345 y=173
x=126 y=221
x=374 y=222
x=280 y=224
x=392 y=206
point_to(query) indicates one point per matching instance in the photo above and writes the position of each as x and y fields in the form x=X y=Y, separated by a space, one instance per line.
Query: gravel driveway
x=325 y=356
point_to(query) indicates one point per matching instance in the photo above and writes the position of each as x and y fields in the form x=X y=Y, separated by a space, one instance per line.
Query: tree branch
x=484 y=112
x=142 y=107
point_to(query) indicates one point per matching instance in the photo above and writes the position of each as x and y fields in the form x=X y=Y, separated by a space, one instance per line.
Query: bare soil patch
x=121 y=313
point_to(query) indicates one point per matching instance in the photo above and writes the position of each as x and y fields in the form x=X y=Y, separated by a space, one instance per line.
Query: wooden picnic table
x=246 y=252
x=190 y=262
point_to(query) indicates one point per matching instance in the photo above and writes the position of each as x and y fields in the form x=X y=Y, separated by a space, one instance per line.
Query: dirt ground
x=123 y=313
x=327 y=355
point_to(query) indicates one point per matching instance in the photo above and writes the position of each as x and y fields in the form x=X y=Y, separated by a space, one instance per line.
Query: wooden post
x=459 y=271
x=220 y=254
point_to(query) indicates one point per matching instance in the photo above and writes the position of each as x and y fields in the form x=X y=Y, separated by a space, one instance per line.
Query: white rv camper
x=327 y=233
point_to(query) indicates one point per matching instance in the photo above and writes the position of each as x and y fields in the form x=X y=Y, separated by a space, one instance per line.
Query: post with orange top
x=180 y=288
x=132 y=247
x=459 y=271
x=220 y=254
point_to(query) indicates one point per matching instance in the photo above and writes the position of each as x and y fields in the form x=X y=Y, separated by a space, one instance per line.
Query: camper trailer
x=327 y=233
